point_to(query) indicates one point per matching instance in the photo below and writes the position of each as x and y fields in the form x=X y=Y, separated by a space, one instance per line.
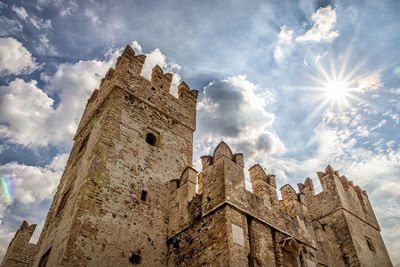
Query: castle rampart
x=128 y=195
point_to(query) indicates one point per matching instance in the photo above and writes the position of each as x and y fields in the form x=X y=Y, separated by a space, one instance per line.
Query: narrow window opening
x=370 y=245
x=144 y=195
x=44 y=258
x=161 y=86
x=152 y=88
x=135 y=259
x=63 y=201
x=129 y=98
x=151 y=139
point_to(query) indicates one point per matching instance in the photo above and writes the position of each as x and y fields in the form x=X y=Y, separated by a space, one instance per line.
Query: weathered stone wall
x=120 y=185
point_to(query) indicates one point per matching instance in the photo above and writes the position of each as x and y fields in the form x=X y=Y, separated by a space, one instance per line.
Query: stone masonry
x=128 y=195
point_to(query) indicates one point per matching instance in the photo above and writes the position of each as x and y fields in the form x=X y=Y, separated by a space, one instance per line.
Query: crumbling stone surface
x=128 y=195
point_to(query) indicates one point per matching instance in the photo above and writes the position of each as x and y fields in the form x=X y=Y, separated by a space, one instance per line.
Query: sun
x=337 y=90
x=333 y=90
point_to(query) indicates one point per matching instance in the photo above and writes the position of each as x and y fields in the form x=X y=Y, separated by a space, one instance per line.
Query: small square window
x=151 y=139
x=144 y=195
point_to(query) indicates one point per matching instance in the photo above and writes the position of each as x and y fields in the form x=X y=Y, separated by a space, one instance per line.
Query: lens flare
x=396 y=71
x=6 y=190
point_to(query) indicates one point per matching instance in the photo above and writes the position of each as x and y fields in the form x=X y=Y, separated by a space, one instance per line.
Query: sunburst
x=336 y=91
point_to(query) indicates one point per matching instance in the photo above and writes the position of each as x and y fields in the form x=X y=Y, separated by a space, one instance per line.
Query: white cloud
x=285 y=36
x=24 y=108
x=21 y=12
x=15 y=58
x=137 y=47
x=40 y=23
x=284 y=43
x=30 y=184
x=370 y=82
x=44 y=46
x=395 y=91
x=234 y=110
x=37 y=22
x=58 y=163
x=323 y=28
x=68 y=10
x=27 y=113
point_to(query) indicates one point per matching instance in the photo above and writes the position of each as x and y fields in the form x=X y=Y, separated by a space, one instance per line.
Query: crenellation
x=128 y=195
x=159 y=80
x=206 y=161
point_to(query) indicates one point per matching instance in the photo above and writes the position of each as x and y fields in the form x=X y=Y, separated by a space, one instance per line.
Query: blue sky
x=294 y=85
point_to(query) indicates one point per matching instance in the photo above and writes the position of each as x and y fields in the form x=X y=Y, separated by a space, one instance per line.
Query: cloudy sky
x=294 y=85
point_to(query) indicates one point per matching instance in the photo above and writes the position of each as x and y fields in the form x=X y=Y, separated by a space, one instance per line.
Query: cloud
x=234 y=110
x=24 y=109
x=58 y=163
x=324 y=20
x=370 y=83
x=40 y=23
x=9 y=26
x=285 y=38
x=44 y=46
x=395 y=91
x=21 y=12
x=137 y=47
x=37 y=22
x=68 y=10
x=28 y=115
x=15 y=58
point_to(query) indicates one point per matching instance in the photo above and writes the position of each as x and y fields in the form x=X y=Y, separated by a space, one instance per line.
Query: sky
x=294 y=85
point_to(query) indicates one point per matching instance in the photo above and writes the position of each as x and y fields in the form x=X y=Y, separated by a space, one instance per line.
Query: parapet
x=257 y=173
x=161 y=80
x=155 y=92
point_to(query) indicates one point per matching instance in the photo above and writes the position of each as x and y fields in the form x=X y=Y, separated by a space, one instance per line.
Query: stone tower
x=20 y=252
x=110 y=207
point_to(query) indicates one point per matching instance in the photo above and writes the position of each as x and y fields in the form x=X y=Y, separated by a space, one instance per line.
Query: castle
x=128 y=195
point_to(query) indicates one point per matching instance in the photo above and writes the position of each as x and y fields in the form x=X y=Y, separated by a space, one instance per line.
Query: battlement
x=221 y=182
x=337 y=193
x=156 y=92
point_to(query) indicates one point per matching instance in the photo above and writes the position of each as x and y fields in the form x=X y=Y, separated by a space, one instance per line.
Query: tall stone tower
x=110 y=207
